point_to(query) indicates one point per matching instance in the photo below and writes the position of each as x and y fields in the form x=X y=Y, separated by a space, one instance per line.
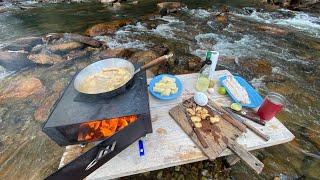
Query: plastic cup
x=272 y=104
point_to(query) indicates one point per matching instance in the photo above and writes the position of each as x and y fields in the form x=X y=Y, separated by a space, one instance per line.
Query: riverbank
x=276 y=50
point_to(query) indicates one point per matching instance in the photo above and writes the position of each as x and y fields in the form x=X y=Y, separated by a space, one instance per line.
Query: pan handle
x=154 y=62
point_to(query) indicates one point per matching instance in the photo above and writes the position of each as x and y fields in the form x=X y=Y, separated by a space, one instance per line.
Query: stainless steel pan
x=113 y=63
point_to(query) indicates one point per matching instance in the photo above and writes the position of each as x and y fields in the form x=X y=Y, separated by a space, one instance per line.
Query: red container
x=272 y=104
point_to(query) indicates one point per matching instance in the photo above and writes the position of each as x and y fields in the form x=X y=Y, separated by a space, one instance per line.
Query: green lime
x=236 y=106
x=222 y=90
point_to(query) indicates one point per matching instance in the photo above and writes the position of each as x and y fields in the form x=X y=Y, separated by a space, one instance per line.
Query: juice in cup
x=272 y=104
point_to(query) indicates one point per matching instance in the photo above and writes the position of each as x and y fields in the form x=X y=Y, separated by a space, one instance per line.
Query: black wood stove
x=114 y=122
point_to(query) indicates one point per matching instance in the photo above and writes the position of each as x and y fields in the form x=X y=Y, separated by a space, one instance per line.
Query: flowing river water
x=275 y=49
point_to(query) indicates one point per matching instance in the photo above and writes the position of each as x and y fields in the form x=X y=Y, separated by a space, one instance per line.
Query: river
x=275 y=49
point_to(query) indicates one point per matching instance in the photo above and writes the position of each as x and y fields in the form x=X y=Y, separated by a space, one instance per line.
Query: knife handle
x=254 y=119
x=256 y=131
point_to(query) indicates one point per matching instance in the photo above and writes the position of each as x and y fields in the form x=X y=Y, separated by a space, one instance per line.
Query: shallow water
x=287 y=61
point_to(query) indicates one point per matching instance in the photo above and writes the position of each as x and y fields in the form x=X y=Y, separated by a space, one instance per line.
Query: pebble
x=159 y=175
x=204 y=172
x=177 y=168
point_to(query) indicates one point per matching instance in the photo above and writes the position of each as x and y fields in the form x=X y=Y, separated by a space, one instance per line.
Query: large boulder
x=24 y=44
x=116 y=53
x=43 y=112
x=22 y=89
x=45 y=58
x=14 y=60
x=107 y=28
x=64 y=47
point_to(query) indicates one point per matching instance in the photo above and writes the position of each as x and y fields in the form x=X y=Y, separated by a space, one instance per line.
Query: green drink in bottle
x=206 y=72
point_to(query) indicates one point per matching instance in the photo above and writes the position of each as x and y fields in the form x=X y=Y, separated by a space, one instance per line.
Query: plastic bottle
x=205 y=77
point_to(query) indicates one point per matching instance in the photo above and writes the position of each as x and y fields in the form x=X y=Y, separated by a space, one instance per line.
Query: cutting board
x=222 y=135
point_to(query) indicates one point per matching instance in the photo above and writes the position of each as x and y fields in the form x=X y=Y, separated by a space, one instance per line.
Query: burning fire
x=95 y=130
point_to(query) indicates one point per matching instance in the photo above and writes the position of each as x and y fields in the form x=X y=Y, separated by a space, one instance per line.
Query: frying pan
x=113 y=63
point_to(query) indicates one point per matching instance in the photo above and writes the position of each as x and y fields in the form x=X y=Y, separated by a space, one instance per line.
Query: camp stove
x=113 y=122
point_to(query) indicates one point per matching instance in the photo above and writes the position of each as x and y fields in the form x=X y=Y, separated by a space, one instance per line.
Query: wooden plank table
x=168 y=145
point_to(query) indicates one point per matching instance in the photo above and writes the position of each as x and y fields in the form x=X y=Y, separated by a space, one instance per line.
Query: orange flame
x=95 y=130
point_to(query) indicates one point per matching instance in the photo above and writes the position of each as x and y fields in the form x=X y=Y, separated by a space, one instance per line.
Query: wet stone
x=14 y=60
x=25 y=44
x=144 y=56
x=64 y=47
x=170 y=5
x=22 y=89
x=204 y=172
x=116 y=53
x=107 y=28
x=45 y=58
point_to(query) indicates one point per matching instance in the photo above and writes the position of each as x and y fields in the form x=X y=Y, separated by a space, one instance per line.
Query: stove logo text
x=102 y=153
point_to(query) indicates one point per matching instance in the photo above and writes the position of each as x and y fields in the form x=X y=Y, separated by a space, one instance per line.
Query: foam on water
x=124 y=38
x=199 y=13
x=4 y=73
x=247 y=46
x=168 y=30
x=300 y=21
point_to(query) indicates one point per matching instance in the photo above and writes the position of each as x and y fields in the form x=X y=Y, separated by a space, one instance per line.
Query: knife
x=249 y=126
x=249 y=115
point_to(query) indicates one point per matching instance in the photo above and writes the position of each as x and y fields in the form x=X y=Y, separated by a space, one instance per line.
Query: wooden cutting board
x=221 y=136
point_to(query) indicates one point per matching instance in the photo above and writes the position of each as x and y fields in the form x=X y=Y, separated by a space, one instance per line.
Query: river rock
x=51 y=37
x=25 y=44
x=76 y=54
x=272 y=30
x=22 y=88
x=160 y=49
x=83 y=39
x=170 y=5
x=107 y=28
x=223 y=9
x=37 y=49
x=64 y=47
x=45 y=58
x=3 y=9
x=108 y=1
x=144 y=56
x=43 y=112
x=223 y=18
x=256 y=66
x=117 y=52
x=194 y=63
x=14 y=60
